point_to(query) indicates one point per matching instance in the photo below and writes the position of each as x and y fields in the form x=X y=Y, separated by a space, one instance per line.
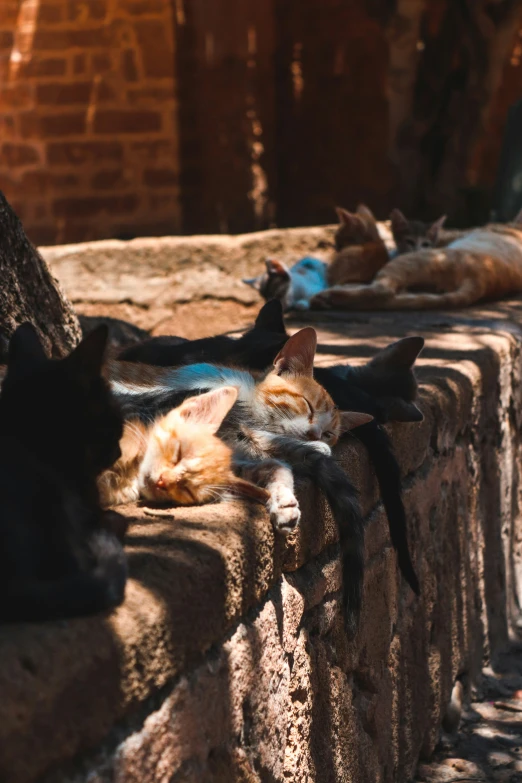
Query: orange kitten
x=178 y=459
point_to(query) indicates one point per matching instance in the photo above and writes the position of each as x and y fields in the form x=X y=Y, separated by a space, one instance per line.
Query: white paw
x=321 y=446
x=284 y=510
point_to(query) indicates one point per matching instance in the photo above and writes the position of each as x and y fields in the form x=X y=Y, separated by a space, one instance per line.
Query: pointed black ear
x=401 y=354
x=88 y=356
x=25 y=349
x=399 y=223
x=401 y=410
x=366 y=213
x=433 y=231
x=270 y=317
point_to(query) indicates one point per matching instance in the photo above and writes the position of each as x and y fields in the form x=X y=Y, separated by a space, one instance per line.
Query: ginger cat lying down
x=484 y=264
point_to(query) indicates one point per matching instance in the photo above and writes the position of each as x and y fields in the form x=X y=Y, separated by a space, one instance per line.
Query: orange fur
x=178 y=459
x=360 y=250
x=485 y=264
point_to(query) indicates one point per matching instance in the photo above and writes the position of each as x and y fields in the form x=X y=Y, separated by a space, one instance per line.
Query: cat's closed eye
x=425 y=243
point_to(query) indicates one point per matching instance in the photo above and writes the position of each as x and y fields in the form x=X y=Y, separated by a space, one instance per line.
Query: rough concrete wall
x=88 y=140
x=228 y=661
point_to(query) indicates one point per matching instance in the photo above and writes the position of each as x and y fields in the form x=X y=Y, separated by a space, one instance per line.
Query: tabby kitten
x=360 y=250
x=285 y=400
x=178 y=459
x=360 y=253
x=484 y=265
x=385 y=388
x=293 y=286
x=59 y=428
x=412 y=235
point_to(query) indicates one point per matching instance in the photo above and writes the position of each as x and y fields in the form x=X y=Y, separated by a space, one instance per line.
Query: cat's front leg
x=277 y=478
x=283 y=506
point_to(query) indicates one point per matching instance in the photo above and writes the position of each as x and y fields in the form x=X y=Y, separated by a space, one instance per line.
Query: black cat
x=59 y=428
x=385 y=387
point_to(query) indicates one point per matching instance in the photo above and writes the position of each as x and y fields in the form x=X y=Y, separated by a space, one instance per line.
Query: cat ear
x=297 y=355
x=518 y=218
x=401 y=354
x=255 y=282
x=349 y=218
x=401 y=410
x=275 y=267
x=366 y=213
x=433 y=231
x=270 y=317
x=25 y=349
x=88 y=356
x=352 y=419
x=210 y=408
x=399 y=223
x=238 y=487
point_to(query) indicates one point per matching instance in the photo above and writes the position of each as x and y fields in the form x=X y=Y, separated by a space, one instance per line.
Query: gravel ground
x=488 y=745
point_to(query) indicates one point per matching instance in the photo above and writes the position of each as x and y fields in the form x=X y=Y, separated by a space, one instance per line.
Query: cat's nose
x=160 y=483
x=314 y=433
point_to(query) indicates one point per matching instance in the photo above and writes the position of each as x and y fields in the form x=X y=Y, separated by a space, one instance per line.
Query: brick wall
x=88 y=140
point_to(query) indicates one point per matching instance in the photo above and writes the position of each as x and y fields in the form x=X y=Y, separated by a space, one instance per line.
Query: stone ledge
x=228 y=660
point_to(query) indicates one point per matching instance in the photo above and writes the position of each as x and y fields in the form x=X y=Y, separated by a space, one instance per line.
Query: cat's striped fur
x=485 y=264
x=286 y=402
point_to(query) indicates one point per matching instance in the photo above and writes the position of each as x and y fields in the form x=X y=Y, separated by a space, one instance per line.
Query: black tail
x=77 y=595
x=342 y=499
x=388 y=473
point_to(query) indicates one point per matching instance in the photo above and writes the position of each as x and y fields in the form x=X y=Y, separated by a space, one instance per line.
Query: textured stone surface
x=228 y=661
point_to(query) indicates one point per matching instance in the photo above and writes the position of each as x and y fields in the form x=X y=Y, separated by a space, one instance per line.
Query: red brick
x=48 y=13
x=79 y=63
x=160 y=178
x=20 y=94
x=19 y=154
x=83 y=10
x=83 y=38
x=32 y=125
x=44 y=40
x=89 y=38
x=152 y=150
x=115 y=121
x=84 y=152
x=104 y=92
x=101 y=62
x=6 y=39
x=94 y=205
x=64 y=181
x=154 y=94
x=142 y=7
x=110 y=178
x=35 y=183
x=157 y=51
x=128 y=65
x=59 y=94
x=8 y=13
x=37 y=66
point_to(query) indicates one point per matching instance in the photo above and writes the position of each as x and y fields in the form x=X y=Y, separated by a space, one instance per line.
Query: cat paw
x=284 y=511
x=321 y=447
x=321 y=301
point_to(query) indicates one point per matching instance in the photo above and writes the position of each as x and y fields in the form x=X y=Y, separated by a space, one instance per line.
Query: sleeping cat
x=285 y=401
x=411 y=235
x=293 y=286
x=59 y=428
x=360 y=249
x=360 y=252
x=486 y=264
x=178 y=458
x=385 y=388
